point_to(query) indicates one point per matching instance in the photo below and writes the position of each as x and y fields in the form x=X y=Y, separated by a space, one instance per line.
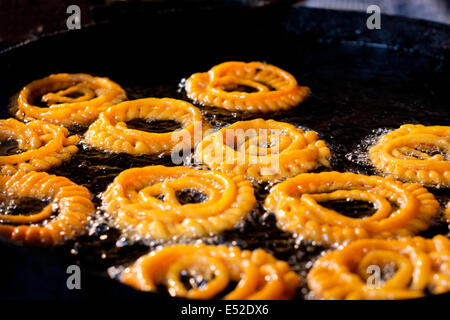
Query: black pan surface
x=361 y=80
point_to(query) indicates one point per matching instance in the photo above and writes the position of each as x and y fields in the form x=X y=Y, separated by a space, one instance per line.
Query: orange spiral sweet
x=354 y=272
x=402 y=209
x=259 y=275
x=42 y=145
x=275 y=88
x=71 y=202
x=110 y=132
x=94 y=95
x=403 y=153
x=144 y=201
x=263 y=150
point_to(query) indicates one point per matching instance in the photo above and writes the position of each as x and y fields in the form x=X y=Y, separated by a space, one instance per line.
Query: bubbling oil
x=105 y=248
x=114 y=250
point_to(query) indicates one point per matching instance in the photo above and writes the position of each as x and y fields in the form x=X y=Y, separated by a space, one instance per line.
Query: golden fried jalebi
x=145 y=201
x=42 y=145
x=402 y=209
x=259 y=275
x=71 y=202
x=263 y=150
x=275 y=88
x=407 y=153
x=416 y=266
x=71 y=98
x=110 y=132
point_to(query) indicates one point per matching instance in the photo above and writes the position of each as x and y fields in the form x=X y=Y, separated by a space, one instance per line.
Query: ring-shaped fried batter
x=275 y=88
x=110 y=132
x=296 y=204
x=355 y=271
x=263 y=150
x=144 y=201
x=404 y=153
x=42 y=145
x=259 y=275
x=71 y=202
x=72 y=99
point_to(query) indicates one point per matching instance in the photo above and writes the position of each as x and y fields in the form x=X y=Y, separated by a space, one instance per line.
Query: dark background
x=22 y=20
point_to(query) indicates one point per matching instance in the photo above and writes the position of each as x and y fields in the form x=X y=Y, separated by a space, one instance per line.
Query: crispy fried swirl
x=110 y=131
x=275 y=88
x=415 y=153
x=402 y=209
x=259 y=275
x=263 y=150
x=417 y=265
x=42 y=145
x=71 y=202
x=144 y=201
x=71 y=98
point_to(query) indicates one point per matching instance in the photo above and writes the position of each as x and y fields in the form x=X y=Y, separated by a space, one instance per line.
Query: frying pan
x=361 y=80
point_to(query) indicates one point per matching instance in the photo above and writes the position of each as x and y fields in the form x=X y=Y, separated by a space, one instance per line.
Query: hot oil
x=157 y=126
x=356 y=97
x=106 y=248
x=23 y=207
x=9 y=147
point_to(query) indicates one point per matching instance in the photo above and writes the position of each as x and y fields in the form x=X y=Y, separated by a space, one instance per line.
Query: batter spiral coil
x=259 y=275
x=420 y=265
x=276 y=88
x=72 y=202
x=72 y=99
x=295 y=203
x=43 y=145
x=403 y=153
x=110 y=132
x=263 y=150
x=144 y=201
